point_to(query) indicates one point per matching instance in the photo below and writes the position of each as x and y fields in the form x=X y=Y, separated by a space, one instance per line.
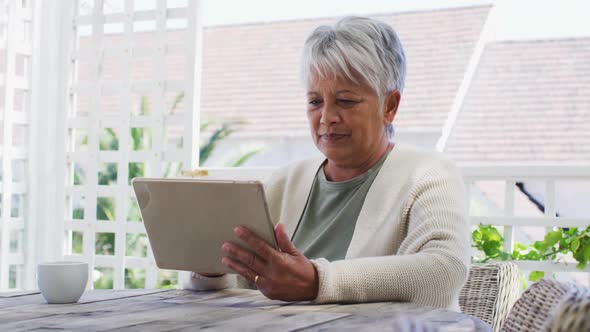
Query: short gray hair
x=357 y=48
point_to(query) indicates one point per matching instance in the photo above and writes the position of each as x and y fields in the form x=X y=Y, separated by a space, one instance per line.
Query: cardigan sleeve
x=432 y=262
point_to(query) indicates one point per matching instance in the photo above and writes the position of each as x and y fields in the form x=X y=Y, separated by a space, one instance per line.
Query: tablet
x=188 y=220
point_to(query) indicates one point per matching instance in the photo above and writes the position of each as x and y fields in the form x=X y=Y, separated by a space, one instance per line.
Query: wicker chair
x=573 y=312
x=490 y=292
x=550 y=305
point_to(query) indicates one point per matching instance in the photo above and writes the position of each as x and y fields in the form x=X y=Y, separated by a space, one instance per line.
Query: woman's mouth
x=333 y=137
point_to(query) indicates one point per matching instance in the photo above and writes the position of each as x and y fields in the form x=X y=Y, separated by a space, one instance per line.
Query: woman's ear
x=391 y=105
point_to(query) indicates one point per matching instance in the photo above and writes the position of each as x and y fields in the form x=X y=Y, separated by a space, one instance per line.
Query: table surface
x=226 y=310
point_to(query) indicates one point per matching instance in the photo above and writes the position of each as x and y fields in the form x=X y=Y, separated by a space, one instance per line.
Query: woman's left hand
x=284 y=275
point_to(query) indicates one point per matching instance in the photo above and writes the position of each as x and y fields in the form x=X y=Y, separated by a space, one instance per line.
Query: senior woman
x=373 y=220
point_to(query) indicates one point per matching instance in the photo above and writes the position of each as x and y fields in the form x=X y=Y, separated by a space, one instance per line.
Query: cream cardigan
x=411 y=241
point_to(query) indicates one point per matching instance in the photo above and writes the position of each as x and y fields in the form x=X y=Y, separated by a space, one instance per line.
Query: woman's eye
x=314 y=102
x=346 y=102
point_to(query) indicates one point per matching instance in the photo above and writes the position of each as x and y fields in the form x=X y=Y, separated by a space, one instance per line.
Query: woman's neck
x=340 y=172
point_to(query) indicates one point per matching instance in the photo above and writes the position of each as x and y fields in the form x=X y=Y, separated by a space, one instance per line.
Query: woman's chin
x=335 y=153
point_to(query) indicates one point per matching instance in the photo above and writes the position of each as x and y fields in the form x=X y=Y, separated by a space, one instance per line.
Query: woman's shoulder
x=418 y=161
x=420 y=154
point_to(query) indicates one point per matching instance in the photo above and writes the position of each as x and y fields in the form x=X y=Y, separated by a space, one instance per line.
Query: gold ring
x=256 y=279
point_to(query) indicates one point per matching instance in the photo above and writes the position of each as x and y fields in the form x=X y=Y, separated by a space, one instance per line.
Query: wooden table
x=227 y=310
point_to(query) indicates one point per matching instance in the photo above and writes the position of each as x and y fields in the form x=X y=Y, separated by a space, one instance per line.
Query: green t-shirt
x=326 y=226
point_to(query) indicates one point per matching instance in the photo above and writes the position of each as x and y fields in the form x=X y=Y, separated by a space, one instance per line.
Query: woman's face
x=347 y=123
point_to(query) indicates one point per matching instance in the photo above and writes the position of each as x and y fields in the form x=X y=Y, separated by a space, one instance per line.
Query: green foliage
x=135 y=170
x=105 y=208
x=177 y=100
x=536 y=275
x=78 y=213
x=133 y=214
x=79 y=176
x=211 y=143
x=108 y=174
x=104 y=278
x=108 y=140
x=12 y=277
x=134 y=278
x=488 y=240
x=172 y=169
x=77 y=238
x=141 y=138
x=144 y=105
x=136 y=245
x=105 y=244
x=244 y=158
x=167 y=279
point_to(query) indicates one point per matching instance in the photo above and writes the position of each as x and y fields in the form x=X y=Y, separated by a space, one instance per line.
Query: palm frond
x=205 y=125
x=144 y=107
x=177 y=100
x=219 y=134
x=243 y=158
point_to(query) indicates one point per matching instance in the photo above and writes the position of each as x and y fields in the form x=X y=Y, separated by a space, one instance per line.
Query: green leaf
x=587 y=252
x=536 y=275
x=552 y=238
x=490 y=233
x=137 y=138
x=205 y=125
x=108 y=140
x=522 y=281
x=244 y=158
x=519 y=246
x=144 y=108
x=179 y=98
x=532 y=255
x=540 y=245
x=492 y=248
x=207 y=148
x=476 y=236
x=575 y=245
x=579 y=256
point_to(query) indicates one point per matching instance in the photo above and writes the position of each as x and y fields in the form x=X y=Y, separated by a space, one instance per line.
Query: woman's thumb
x=283 y=240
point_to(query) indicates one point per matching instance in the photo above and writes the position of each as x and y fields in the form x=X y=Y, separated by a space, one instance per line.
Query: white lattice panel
x=131 y=115
x=15 y=61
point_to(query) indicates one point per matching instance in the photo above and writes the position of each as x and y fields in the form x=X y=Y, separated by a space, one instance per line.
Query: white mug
x=62 y=282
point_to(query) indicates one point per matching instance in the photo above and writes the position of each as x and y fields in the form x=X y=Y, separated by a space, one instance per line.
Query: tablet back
x=188 y=220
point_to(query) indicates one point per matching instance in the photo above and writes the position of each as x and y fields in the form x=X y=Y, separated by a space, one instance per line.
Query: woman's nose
x=329 y=114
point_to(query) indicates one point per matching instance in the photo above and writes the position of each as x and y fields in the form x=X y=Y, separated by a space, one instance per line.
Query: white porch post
x=49 y=106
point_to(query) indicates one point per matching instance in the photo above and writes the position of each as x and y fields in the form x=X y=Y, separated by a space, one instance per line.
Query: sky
x=514 y=19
